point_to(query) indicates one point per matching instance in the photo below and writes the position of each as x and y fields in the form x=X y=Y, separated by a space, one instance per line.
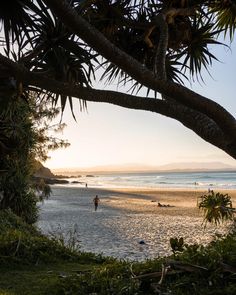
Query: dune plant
x=70 y=239
x=217 y=207
x=177 y=245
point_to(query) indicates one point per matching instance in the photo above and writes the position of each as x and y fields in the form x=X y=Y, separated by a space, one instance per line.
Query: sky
x=108 y=135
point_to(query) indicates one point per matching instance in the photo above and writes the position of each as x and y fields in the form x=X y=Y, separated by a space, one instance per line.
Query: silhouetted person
x=96 y=200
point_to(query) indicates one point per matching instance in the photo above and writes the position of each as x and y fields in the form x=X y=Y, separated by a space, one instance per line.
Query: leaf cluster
x=217 y=207
x=39 y=40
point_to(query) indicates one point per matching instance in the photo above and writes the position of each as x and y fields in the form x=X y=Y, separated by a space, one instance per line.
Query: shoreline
x=145 y=189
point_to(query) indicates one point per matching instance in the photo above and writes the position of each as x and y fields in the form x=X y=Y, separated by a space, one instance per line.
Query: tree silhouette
x=57 y=48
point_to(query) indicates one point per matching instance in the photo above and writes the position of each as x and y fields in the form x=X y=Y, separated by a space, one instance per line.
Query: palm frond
x=225 y=12
x=197 y=54
x=217 y=207
x=17 y=19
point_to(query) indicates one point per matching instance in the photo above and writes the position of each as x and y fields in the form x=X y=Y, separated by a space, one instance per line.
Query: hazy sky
x=111 y=135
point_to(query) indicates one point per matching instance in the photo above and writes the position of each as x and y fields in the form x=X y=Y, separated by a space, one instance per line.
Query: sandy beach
x=127 y=216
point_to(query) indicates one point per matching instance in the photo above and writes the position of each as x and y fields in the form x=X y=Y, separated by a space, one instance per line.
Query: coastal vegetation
x=25 y=139
x=217 y=207
x=52 y=50
x=33 y=264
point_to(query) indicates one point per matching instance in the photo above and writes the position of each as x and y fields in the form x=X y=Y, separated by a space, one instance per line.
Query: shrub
x=217 y=207
x=23 y=243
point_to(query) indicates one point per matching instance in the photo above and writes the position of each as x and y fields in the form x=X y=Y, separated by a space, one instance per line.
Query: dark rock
x=55 y=181
x=42 y=171
x=142 y=242
x=49 y=180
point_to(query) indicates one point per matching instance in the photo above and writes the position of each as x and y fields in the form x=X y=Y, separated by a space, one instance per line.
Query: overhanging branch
x=137 y=71
x=197 y=122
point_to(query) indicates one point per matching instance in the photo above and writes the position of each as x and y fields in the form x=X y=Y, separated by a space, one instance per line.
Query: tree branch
x=139 y=72
x=197 y=122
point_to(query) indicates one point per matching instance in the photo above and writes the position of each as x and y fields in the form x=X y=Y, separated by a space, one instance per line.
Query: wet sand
x=127 y=216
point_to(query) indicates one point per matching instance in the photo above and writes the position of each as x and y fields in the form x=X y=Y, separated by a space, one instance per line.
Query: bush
x=23 y=243
x=113 y=277
x=217 y=207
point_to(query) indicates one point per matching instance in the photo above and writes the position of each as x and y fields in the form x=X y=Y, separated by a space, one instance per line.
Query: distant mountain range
x=197 y=166
x=185 y=166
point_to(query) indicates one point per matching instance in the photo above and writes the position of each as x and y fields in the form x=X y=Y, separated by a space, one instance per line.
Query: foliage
x=112 y=278
x=22 y=243
x=116 y=277
x=217 y=207
x=58 y=270
x=177 y=244
x=69 y=240
x=58 y=48
x=24 y=137
x=42 y=113
x=216 y=257
x=18 y=141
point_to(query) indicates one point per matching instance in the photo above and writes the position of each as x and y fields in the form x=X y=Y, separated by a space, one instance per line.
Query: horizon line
x=74 y=170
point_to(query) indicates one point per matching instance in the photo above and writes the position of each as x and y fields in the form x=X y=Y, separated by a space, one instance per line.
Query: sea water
x=194 y=180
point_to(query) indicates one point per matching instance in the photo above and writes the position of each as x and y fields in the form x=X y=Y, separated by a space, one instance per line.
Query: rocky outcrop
x=43 y=172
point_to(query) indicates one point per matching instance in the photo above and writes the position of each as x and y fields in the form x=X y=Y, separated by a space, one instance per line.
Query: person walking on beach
x=96 y=200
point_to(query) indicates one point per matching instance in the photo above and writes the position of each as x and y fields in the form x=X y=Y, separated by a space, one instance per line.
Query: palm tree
x=159 y=45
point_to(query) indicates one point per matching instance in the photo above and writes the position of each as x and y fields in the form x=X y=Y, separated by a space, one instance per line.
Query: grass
x=31 y=279
x=32 y=264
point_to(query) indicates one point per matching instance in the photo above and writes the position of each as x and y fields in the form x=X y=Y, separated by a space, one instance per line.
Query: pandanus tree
x=58 y=47
x=216 y=207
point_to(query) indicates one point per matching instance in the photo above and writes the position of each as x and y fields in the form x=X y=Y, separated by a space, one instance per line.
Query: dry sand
x=183 y=202
x=127 y=216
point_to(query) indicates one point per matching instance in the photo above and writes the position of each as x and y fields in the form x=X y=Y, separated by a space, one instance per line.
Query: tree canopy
x=57 y=48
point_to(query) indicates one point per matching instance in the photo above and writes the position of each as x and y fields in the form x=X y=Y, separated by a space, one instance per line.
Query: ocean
x=191 y=180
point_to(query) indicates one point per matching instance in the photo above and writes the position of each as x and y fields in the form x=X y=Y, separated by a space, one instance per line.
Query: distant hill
x=197 y=166
x=182 y=166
